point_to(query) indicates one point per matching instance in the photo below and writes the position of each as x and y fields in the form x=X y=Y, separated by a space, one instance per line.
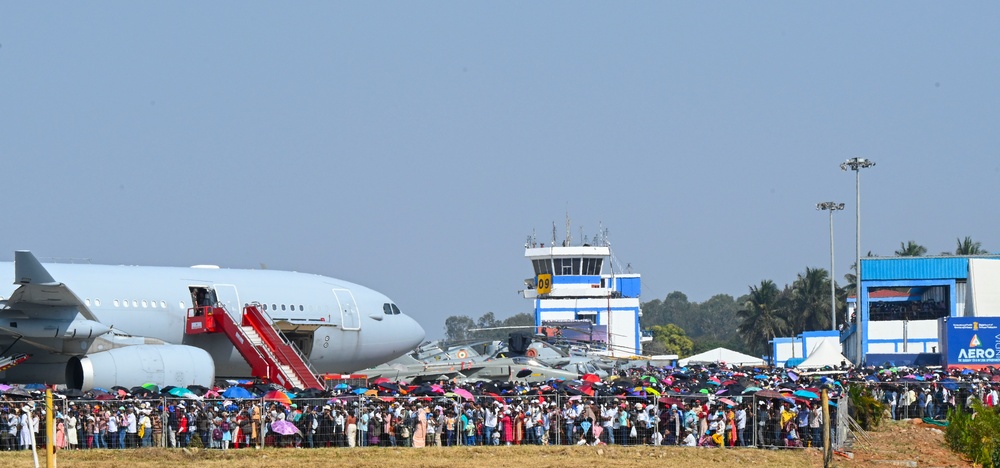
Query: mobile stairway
x=271 y=356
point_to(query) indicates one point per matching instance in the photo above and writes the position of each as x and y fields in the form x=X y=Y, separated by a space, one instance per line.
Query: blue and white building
x=902 y=299
x=578 y=293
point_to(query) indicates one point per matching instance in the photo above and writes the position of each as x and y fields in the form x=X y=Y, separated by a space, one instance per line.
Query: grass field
x=895 y=443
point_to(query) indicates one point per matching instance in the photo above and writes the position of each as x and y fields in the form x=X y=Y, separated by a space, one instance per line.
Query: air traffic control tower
x=580 y=297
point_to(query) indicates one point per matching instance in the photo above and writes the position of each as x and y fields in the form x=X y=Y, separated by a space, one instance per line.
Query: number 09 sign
x=544 y=283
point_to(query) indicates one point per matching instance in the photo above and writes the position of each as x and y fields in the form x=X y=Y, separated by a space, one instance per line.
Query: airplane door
x=350 y=316
x=227 y=296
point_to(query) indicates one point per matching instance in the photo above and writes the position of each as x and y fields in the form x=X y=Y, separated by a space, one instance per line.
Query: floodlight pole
x=831 y=207
x=856 y=164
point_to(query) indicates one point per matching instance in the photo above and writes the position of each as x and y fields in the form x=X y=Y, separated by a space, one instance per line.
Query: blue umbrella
x=805 y=394
x=359 y=391
x=237 y=393
x=340 y=386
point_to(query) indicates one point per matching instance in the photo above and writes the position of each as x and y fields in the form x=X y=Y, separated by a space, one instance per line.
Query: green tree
x=761 y=318
x=911 y=249
x=672 y=340
x=808 y=305
x=968 y=247
x=456 y=327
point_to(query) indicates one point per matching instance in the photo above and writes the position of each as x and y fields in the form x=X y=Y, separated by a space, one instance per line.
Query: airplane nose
x=413 y=333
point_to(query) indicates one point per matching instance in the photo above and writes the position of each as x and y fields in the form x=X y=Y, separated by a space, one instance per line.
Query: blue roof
x=895 y=268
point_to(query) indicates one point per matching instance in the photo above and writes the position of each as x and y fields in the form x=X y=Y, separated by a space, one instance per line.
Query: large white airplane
x=125 y=325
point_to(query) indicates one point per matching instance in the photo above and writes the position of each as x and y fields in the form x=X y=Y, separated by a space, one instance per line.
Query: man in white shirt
x=132 y=429
x=609 y=420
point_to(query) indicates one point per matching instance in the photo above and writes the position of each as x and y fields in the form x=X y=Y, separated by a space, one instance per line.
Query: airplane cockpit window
x=395 y=310
x=386 y=309
x=524 y=361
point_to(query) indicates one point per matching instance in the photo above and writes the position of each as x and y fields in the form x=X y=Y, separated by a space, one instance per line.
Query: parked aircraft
x=100 y=325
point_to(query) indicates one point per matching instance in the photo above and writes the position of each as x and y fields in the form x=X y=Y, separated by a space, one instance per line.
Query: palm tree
x=967 y=247
x=760 y=318
x=911 y=249
x=809 y=301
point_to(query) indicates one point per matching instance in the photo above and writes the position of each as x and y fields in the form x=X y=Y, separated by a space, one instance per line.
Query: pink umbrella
x=728 y=401
x=284 y=427
x=463 y=393
x=437 y=389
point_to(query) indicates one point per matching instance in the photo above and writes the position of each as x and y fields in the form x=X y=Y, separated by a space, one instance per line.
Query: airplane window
x=386 y=309
x=152 y=304
x=182 y=305
x=143 y=303
x=85 y=301
x=265 y=307
x=163 y=304
x=301 y=308
x=97 y=302
x=395 y=310
x=282 y=307
x=135 y=303
x=116 y=302
x=274 y=307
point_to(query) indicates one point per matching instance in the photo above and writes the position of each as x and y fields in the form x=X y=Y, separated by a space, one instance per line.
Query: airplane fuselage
x=343 y=326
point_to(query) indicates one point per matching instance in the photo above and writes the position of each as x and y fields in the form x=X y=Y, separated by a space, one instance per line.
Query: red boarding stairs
x=271 y=357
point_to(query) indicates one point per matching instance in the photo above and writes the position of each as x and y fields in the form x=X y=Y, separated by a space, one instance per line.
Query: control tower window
x=542 y=267
x=566 y=266
x=592 y=266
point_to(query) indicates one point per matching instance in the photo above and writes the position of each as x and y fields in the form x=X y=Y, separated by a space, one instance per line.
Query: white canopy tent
x=722 y=355
x=824 y=354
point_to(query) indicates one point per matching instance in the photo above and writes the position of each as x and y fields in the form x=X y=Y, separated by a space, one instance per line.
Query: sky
x=412 y=147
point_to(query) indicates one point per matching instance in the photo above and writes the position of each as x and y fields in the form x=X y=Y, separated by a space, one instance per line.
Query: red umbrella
x=380 y=380
x=592 y=378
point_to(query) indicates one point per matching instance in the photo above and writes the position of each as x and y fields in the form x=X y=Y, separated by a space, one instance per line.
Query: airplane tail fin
x=28 y=270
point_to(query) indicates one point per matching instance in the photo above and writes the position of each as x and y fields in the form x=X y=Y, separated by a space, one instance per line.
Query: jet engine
x=176 y=365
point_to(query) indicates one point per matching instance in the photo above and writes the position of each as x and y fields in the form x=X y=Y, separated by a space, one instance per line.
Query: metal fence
x=350 y=421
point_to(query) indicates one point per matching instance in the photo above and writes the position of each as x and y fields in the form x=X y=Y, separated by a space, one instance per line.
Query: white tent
x=824 y=354
x=722 y=355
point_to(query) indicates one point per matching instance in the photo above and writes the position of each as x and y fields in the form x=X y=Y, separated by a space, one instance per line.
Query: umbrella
x=198 y=389
x=341 y=386
x=17 y=392
x=523 y=373
x=769 y=394
x=464 y=393
x=590 y=378
x=181 y=392
x=805 y=394
x=751 y=389
x=648 y=378
x=728 y=401
x=359 y=391
x=388 y=386
x=671 y=401
x=237 y=393
x=279 y=396
x=151 y=387
x=380 y=380
x=284 y=427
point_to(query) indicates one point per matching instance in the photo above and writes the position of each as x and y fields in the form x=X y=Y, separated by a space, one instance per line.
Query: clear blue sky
x=412 y=146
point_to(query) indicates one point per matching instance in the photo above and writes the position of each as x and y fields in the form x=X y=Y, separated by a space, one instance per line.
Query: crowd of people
x=707 y=406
